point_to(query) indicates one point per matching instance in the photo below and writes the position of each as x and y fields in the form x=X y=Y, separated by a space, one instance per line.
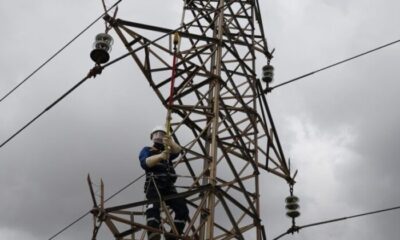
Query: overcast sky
x=339 y=127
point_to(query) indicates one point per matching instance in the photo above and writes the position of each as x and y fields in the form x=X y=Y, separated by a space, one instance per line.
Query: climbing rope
x=171 y=90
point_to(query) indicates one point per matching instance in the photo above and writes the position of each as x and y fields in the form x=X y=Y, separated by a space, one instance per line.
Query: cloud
x=339 y=127
x=6 y=233
x=320 y=156
x=336 y=178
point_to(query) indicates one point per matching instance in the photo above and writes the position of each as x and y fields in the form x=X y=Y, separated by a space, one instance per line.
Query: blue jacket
x=163 y=173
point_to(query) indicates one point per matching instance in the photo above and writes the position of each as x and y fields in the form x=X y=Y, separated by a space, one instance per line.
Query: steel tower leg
x=220 y=114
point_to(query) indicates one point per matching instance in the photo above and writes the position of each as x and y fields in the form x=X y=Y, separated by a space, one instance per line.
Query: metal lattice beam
x=221 y=118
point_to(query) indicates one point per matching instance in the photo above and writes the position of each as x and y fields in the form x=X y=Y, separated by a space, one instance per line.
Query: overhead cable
x=296 y=228
x=333 y=65
x=87 y=213
x=97 y=70
x=59 y=51
x=45 y=110
x=64 y=95
x=70 y=225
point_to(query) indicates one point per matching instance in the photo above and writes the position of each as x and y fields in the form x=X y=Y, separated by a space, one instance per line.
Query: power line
x=70 y=225
x=46 y=109
x=296 y=228
x=87 y=213
x=333 y=65
x=79 y=83
x=58 y=52
x=93 y=72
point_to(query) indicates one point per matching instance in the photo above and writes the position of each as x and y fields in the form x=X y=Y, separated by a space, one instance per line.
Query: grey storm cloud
x=339 y=127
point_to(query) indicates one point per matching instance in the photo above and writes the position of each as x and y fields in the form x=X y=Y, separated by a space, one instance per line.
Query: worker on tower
x=160 y=179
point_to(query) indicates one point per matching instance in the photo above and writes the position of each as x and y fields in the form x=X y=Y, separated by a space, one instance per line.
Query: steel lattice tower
x=220 y=117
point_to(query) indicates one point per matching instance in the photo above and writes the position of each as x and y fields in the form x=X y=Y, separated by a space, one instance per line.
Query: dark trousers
x=178 y=205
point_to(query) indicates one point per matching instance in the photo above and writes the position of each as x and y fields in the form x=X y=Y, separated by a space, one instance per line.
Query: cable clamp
x=97 y=69
x=293 y=229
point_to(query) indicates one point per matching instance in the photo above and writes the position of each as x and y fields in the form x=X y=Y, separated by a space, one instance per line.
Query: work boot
x=153 y=223
x=170 y=238
x=154 y=236
x=180 y=225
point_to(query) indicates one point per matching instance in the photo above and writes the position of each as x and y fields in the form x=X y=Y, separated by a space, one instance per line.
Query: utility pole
x=220 y=115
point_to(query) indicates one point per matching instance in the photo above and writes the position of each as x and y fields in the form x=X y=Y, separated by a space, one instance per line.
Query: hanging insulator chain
x=101 y=48
x=292 y=206
x=268 y=75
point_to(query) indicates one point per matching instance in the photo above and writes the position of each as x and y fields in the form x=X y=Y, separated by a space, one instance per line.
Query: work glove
x=165 y=154
x=169 y=143
x=167 y=140
x=155 y=159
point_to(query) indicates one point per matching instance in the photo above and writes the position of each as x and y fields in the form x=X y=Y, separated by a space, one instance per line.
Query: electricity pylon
x=220 y=117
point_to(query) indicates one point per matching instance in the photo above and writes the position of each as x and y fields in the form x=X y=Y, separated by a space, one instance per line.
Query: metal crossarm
x=220 y=115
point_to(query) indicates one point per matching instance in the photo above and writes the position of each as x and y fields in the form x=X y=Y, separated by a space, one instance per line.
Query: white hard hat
x=157 y=129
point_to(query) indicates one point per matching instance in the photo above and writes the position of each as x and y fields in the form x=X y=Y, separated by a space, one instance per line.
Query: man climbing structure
x=160 y=179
